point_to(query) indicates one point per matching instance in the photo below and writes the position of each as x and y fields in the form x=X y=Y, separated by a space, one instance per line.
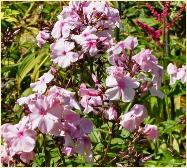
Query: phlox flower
x=117 y=53
x=151 y=131
x=83 y=147
x=120 y=86
x=26 y=157
x=41 y=85
x=111 y=113
x=27 y=99
x=85 y=35
x=90 y=98
x=181 y=75
x=76 y=126
x=68 y=150
x=62 y=27
x=64 y=97
x=62 y=53
x=20 y=138
x=42 y=116
x=176 y=73
x=146 y=60
x=133 y=118
x=5 y=154
x=42 y=37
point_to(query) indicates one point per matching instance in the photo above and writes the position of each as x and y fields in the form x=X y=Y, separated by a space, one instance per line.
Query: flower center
x=85 y=34
x=64 y=53
x=91 y=43
x=121 y=83
x=20 y=134
x=42 y=112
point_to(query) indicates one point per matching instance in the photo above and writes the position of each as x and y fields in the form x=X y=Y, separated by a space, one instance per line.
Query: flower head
x=151 y=132
x=132 y=119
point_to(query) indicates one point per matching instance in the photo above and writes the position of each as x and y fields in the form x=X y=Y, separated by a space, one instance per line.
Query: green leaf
x=117 y=141
x=26 y=66
x=176 y=145
x=150 y=21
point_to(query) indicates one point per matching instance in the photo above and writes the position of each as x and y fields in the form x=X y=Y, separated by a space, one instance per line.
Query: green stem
x=27 y=12
x=47 y=160
x=61 y=155
x=163 y=63
x=109 y=142
x=118 y=29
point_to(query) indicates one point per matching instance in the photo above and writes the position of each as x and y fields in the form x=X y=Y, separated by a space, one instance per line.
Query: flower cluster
x=84 y=30
x=131 y=72
x=52 y=114
x=133 y=119
x=176 y=73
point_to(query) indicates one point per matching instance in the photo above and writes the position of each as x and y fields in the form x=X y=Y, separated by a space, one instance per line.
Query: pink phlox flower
x=26 y=157
x=27 y=99
x=90 y=45
x=62 y=53
x=113 y=18
x=176 y=73
x=146 y=60
x=42 y=37
x=20 y=138
x=100 y=13
x=5 y=155
x=74 y=10
x=130 y=42
x=120 y=85
x=117 y=53
x=87 y=34
x=155 y=91
x=151 y=131
x=63 y=27
x=90 y=98
x=68 y=151
x=83 y=147
x=111 y=113
x=93 y=9
x=181 y=75
x=132 y=119
x=41 y=85
x=64 y=97
x=88 y=40
x=76 y=126
x=43 y=116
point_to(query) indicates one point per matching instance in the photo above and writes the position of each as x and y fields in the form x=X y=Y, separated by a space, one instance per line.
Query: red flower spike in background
x=155 y=34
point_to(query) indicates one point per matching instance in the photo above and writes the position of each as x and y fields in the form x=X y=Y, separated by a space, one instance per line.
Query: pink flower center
x=121 y=83
x=64 y=53
x=85 y=34
x=42 y=112
x=91 y=43
x=42 y=80
x=20 y=134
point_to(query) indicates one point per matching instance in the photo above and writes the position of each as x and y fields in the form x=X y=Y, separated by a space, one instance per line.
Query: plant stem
x=167 y=47
x=61 y=154
x=118 y=29
x=47 y=160
x=108 y=145
x=163 y=63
